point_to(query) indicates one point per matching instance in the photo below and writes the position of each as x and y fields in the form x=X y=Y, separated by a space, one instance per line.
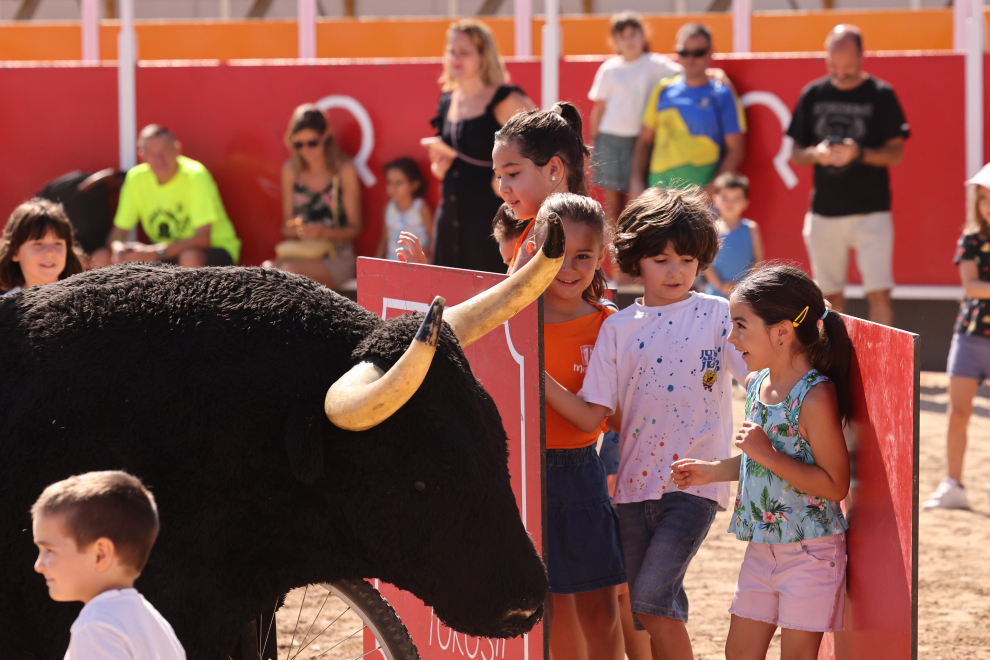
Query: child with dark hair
x=584 y=564
x=406 y=212
x=794 y=469
x=742 y=243
x=537 y=153
x=94 y=534
x=508 y=231
x=37 y=247
x=662 y=361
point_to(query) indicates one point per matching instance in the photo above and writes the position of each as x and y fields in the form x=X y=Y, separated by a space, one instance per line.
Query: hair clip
x=800 y=317
x=824 y=314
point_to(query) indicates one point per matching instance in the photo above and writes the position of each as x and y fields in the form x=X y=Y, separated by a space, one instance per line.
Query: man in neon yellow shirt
x=178 y=205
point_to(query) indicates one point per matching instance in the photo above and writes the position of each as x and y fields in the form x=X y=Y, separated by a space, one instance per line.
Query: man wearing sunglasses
x=178 y=205
x=850 y=126
x=693 y=125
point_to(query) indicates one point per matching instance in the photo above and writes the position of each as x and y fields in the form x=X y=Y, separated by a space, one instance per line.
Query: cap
x=982 y=178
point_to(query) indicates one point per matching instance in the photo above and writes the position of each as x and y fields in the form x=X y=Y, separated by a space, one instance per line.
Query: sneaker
x=948 y=495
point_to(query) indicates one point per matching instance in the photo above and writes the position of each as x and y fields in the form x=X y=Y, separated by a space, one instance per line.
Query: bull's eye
x=420 y=486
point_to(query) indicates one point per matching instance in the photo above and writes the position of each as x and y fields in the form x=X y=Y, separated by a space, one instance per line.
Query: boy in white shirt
x=94 y=533
x=662 y=362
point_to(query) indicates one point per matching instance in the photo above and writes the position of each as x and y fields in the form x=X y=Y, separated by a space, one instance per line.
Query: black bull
x=209 y=385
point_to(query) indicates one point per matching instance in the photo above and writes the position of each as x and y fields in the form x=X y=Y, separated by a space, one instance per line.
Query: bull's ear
x=305 y=432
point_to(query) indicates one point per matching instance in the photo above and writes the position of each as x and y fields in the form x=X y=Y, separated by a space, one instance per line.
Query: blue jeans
x=659 y=540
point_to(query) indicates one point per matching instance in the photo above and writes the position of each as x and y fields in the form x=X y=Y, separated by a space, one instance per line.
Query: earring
x=553 y=178
x=781 y=343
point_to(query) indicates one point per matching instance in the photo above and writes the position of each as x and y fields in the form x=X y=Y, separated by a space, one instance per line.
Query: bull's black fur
x=209 y=385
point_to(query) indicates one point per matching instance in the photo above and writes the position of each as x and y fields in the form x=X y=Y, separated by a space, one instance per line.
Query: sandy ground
x=953 y=574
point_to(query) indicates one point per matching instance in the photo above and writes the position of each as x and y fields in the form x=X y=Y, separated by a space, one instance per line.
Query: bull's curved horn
x=478 y=316
x=366 y=396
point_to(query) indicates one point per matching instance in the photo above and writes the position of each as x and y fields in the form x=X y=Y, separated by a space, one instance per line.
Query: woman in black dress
x=474 y=104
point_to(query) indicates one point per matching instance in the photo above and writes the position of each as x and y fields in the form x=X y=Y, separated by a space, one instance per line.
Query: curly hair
x=681 y=218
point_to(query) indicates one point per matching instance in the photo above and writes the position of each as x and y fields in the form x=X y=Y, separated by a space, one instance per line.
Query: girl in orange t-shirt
x=585 y=562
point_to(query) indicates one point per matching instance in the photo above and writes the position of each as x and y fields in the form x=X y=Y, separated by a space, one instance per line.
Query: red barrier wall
x=232 y=117
x=509 y=363
x=881 y=616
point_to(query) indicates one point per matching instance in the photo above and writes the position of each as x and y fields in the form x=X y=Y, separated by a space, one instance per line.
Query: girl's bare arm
x=828 y=478
x=585 y=416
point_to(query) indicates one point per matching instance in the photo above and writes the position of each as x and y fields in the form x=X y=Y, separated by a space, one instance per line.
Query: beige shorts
x=800 y=586
x=829 y=240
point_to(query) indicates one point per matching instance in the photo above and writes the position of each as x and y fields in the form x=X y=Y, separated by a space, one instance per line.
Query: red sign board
x=881 y=615
x=509 y=363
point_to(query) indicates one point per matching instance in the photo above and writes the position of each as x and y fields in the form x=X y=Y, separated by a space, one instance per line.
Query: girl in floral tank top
x=794 y=469
x=767 y=509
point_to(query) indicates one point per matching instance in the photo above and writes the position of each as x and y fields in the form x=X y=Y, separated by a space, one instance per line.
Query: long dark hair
x=781 y=293
x=583 y=211
x=29 y=222
x=409 y=169
x=542 y=134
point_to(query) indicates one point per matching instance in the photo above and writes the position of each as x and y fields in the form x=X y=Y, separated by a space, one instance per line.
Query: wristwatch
x=161 y=253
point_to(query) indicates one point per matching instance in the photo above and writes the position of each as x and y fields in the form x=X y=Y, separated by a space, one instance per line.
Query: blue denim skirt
x=584 y=552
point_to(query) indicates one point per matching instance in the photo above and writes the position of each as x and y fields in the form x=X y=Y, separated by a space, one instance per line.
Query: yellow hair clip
x=800 y=317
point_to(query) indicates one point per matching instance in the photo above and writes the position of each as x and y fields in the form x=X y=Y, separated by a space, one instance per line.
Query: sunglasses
x=699 y=52
x=312 y=144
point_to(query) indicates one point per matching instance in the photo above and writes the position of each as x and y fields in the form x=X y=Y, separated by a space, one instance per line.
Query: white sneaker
x=948 y=495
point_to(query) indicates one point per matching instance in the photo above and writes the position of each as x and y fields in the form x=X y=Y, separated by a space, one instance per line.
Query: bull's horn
x=366 y=396
x=474 y=318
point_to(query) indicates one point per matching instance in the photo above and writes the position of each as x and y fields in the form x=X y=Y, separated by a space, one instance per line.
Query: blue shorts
x=584 y=552
x=610 y=452
x=660 y=538
x=969 y=357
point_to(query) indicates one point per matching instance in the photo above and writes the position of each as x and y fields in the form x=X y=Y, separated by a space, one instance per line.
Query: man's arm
x=198 y=241
x=640 y=161
x=735 y=151
x=813 y=155
x=597 y=111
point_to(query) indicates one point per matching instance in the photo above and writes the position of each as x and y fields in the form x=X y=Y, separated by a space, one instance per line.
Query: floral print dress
x=767 y=508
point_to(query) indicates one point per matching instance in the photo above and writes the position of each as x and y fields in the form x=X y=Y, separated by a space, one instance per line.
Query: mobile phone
x=835 y=139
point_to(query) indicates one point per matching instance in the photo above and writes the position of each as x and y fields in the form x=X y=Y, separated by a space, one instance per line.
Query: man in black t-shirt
x=850 y=126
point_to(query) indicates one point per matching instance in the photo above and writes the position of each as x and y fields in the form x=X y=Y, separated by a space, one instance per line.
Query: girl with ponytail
x=537 y=153
x=794 y=469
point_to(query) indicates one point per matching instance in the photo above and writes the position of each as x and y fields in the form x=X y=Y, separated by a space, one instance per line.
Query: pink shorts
x=801 y=586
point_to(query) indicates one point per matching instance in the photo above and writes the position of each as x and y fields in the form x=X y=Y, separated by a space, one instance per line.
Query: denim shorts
x=969 y=357
x=584 y=551
x=660 y=538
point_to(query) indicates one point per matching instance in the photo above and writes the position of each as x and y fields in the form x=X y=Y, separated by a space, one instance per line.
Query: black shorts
x=214 y=257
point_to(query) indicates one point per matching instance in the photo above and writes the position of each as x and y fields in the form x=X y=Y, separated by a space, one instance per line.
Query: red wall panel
x=232 y=119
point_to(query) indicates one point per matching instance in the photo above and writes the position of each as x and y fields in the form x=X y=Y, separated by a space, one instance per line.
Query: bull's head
x=499 y=587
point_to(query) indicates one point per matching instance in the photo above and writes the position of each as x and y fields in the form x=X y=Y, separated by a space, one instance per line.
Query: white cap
x=982 y=178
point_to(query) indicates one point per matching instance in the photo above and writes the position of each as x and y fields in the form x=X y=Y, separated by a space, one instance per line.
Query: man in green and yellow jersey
x=178 y=205
x=693 y=125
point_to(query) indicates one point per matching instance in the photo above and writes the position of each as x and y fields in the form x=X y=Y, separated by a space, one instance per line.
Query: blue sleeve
x=729 y=110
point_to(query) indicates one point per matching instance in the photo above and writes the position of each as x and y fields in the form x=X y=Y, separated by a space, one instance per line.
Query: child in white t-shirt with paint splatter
x=665 y=363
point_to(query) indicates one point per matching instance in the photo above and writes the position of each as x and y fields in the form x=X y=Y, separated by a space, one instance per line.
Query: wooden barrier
x=928 y=29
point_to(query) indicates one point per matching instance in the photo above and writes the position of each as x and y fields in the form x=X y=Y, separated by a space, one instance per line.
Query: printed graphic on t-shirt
x=837 y=119
x=169 y=225
x=585 y=356
x=710 y=366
